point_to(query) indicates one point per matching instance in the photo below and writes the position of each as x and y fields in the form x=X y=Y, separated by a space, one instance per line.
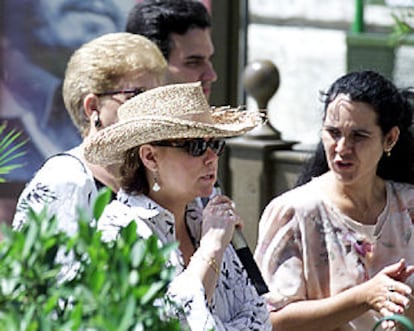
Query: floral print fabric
x=307 y=249
x=63 y=185
x=235 y=305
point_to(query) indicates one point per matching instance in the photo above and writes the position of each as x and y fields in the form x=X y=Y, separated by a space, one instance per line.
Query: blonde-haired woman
x=100 y=76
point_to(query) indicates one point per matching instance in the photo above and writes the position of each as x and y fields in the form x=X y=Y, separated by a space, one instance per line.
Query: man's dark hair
x=157 y=19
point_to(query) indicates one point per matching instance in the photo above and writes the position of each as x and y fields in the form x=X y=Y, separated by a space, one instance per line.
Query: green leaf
x=104 y=196
x=399 y=319
x=9 y=153
x=98 y=280
x=76 y=317
x=30 y=239
x=133 y=277
x=152 y=292
x=138 y=253
x=50 y=303
x=6 y=141
x=128 y=317
x=403 y=23
x=129 y=233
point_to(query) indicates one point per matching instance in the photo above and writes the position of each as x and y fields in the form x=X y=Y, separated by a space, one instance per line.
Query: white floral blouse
x=236 y=304
x=320 y=252
x=62 y=185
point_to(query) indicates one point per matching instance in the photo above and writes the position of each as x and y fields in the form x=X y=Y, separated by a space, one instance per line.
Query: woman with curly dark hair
x=338 y=251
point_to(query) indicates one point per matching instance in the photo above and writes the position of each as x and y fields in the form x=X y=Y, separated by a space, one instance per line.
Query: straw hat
x=167 y=112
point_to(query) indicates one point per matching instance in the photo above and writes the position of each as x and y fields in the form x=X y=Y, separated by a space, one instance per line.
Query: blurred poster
x=37 y=40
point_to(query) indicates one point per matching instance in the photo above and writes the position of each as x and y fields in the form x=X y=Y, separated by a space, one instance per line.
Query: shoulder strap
x=66 y=154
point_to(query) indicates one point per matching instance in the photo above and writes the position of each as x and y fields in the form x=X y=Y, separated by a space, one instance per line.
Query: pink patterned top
x=318 y=252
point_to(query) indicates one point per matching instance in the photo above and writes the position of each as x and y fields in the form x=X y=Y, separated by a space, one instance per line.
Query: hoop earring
x=97 y=121
x=156 y=187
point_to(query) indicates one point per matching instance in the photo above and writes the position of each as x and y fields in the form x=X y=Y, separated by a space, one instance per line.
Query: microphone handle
x=246 y=257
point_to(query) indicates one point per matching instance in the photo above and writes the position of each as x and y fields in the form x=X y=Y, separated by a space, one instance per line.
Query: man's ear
x=90 y=104
x=149 y=157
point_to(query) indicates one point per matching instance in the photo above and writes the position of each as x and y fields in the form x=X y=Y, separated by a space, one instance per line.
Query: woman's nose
x=210 y=155
x=343 y=144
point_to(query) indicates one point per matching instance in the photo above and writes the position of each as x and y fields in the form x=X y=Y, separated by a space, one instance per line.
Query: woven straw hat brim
x=109 y=145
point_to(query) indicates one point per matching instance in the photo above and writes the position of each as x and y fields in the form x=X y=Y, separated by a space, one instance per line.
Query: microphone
x=246 y=257
x=242 y=249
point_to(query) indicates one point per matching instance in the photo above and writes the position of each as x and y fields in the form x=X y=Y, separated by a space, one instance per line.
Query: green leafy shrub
x=117 y=285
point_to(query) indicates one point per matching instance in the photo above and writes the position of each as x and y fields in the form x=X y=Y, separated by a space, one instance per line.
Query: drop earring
x=156 y=187
x=97 y=121
x=388 y=152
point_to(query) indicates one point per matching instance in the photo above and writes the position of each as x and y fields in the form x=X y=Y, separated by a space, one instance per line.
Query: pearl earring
x=388 y=152
x=156 y=187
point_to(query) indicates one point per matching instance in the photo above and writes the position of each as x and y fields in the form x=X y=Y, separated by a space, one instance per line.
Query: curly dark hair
x=393 y=106
x=157 y=19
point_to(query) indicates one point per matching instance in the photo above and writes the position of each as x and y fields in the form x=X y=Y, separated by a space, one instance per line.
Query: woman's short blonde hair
x=99 y=65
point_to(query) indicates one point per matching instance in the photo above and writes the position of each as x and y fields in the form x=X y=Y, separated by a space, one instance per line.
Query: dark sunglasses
x=195 y=147
x=133 y=92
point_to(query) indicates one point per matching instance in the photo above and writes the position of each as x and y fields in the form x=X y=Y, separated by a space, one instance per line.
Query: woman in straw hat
x=168 y=141
x=100 y=76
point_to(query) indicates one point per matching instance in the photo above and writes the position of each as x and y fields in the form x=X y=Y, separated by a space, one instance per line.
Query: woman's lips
x=343 y=164
x=209 y=178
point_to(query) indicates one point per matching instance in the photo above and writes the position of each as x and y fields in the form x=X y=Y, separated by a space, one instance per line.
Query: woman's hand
x=219 y=221
x=386 y=291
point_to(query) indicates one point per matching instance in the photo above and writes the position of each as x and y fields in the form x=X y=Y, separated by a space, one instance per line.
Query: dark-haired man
x=181 y=29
